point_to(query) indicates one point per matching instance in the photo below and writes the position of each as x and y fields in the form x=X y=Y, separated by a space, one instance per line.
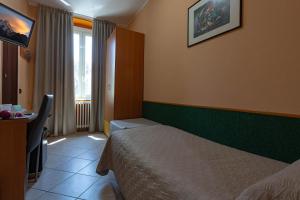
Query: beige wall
x=256 y=67
x=26 y=69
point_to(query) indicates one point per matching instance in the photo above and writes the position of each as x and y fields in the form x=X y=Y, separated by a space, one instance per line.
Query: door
x=10 y=74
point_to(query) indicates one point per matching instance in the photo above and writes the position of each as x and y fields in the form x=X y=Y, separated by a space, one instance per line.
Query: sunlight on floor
x=95 y=138
x=57 y=141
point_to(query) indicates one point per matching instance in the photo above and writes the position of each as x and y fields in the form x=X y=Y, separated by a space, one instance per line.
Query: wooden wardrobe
x=124 y=80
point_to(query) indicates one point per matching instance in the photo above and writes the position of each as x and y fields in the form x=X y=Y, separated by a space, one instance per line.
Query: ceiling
x=118 y=11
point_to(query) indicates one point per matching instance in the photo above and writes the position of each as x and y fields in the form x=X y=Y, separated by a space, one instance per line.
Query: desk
x=13 y=158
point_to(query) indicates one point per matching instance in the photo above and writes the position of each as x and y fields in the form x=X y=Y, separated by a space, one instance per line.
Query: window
x=83 y=63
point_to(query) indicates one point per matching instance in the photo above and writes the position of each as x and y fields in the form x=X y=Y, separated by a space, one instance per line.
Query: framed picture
x=14 y=26
x=209 y=18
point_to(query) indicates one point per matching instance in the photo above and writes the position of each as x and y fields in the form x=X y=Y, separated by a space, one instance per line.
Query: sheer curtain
x=54 y=70
x=101 y=32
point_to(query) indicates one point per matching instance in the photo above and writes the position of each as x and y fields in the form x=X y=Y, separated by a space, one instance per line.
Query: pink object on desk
x=5 y=114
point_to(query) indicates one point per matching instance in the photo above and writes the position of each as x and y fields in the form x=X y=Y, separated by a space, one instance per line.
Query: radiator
x=83 y=109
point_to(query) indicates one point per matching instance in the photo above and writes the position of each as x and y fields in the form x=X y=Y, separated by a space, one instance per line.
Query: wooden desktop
x=13 y=137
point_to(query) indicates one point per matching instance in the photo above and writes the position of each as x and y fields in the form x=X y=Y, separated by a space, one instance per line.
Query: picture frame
x=15 y=27
x=210 y=18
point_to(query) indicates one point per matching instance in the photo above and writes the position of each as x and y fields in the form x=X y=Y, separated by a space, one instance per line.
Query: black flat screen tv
x=14 y=26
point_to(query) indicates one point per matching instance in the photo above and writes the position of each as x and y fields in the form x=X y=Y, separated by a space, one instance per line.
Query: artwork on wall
x=14 y=26
x=209 y=18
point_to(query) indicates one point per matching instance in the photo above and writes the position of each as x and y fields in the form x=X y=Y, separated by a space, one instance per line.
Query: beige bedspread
x=162 y=162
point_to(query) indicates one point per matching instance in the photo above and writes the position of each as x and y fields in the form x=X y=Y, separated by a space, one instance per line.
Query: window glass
x=82 y=63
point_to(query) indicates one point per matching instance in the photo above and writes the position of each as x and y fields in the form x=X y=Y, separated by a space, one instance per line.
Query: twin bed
x=164 y=163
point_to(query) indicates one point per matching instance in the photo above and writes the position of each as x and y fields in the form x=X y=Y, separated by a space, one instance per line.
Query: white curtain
x=54 y=69
x=101 y=32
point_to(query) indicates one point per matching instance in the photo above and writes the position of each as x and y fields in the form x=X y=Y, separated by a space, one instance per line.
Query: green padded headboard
x=270 y=136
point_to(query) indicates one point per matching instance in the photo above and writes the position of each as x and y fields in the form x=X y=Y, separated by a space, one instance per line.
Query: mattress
x=130 y=123
x=165 y=163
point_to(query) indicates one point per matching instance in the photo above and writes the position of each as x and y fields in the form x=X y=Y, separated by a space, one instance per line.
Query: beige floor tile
x=33 y=194
x=53 y=160
x=75 y=185
x=66 y=150
x=70 y=170
x=52 y=196
x=100 y=191
x=73 y=165
x=50 y=178
x=90 y=170
x=90 y=155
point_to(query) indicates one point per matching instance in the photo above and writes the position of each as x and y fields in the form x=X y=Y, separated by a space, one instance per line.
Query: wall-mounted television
x=14 y=26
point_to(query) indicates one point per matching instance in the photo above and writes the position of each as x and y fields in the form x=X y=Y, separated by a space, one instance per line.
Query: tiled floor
x=70 y=171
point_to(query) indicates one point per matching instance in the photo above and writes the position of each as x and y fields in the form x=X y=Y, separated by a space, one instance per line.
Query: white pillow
x=284 y=185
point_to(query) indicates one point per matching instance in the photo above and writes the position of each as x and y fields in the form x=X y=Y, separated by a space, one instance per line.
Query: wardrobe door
x=109 y=101
x=129 y=74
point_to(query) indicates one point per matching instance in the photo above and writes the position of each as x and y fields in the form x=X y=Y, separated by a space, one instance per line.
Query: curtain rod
x=83 y=16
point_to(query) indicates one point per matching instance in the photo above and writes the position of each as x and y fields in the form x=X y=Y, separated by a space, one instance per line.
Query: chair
x=35 y=131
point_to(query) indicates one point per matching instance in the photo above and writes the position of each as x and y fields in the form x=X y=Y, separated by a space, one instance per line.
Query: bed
x=164 y=163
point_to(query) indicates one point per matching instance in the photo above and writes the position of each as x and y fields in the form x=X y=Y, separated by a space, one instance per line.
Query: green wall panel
x=270 y=136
